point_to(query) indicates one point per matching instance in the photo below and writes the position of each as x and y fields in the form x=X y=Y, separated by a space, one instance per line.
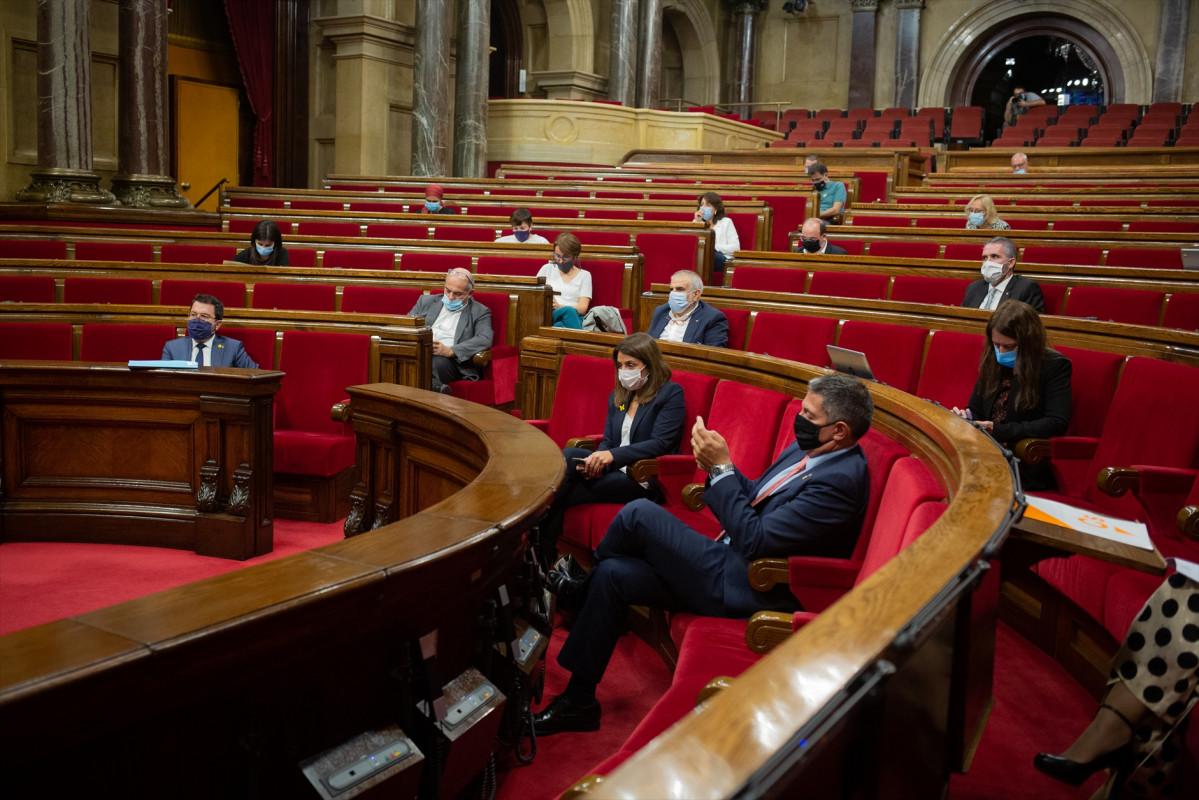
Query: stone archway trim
x=702 y=37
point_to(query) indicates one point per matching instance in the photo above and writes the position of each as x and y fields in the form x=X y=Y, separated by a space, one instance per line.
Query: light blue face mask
x=1020 y=171
x=975 y=218
x=264 y=251
x=451 y=305
x=678 y=302
x=433 y=205
x=1007 y=359
x=706 y=212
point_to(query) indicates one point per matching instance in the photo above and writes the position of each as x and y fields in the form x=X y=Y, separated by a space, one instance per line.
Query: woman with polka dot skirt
x=1136 y=733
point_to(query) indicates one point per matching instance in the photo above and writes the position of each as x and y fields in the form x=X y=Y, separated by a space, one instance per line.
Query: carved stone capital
x=917 y=4
x=65 y=186
x=148 y=191
x=864 y=5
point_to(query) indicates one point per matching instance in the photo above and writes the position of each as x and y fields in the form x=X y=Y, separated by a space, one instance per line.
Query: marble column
x=746 y=45
x=649 y=79
x=622 y=64
x=1173 y=22
x=470 y=88
x=907 y=52
x=861 y=54
x=431 y=89
x=143 y=157
x=64 y=113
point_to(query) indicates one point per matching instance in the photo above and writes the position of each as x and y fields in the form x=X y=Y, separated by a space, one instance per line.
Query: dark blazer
x=657 y=427
x=831 y=249
x=473 y=334
x=223 y=352
x=818 y=514
x=1019 y=288
x=707 y=326
x=1050 y=417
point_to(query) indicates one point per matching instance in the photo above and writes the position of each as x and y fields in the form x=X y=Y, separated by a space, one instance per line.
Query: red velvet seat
x=903 y=249
x=580 y=399
x=259 y=202
x=375 y=207
x=26 y=289
x=175 y=292
x=1130 y=306
x=461 y=233
x=607 y=287
x=1144 y=258
x=359 y=259
x=498 y=384
x=101 y=342
x=259 y=343
x=1045 y=254
x=36 y=248
x=938 y=222
x=196 y=254
x=1089 y=225
x=792 y=336
x=671 y=216
x=248 y=225
x=301 y=257
x=1022 y=224
x=114 y=251
x=36 y=340
x=769 y=279
x=294 y=296
x=738 y=326
x=853 y=247
x=950 y=367
x=336 y=229
x=320 y=205
x=1096 y=374
x=1182 y=311
x=964 y=252
x=894 y=351
x=929 y=289
x=879 y=220
x=382 y=230
x=434 y=262
x=849 y=284
x=597 y=238
x=1054 y=295
x=513 y=265
x=124 y=291
x=665 y=254
x=395 y=300
x=1164 y=226
x=746 y=225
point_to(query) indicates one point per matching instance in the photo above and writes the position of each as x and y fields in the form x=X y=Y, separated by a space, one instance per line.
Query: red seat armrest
x=831 y=573
x=542 y=425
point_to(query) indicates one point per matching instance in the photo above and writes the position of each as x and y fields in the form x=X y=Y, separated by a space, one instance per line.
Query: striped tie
x=772 y=488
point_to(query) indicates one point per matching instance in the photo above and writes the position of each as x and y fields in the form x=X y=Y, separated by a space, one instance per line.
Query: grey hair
x=697 y=283
x=845 y=400
x=1009 y=247
x=458 y=272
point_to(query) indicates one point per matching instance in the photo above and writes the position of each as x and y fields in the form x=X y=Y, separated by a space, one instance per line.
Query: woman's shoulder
x=1000 y=225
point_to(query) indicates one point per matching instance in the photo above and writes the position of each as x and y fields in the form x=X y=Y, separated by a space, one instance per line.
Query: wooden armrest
x=641 y=471
x=768 y=629
x=482 y=358
x=584 y=442
x=1188 y=522
x=1033 y=451
x=340 y=412
x=1116 y=481
x=693 y=496
x=582 y=786
x=712 y=688
x=766 y=573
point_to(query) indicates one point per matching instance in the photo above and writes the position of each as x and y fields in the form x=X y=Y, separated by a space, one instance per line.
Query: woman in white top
x=571 y=284
x=710 y=212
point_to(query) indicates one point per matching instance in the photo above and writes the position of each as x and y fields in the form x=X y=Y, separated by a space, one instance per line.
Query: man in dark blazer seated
x=202 y=344
x=686 y=318
x=811 y=501
x=998 y=282
x=461 y=328
x=812 y=237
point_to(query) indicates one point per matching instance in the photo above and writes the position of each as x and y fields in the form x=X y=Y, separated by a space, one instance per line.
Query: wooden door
x=206 y=138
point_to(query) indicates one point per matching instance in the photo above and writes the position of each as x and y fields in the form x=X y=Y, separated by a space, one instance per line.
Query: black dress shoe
x=565 y=714
x=571 y=592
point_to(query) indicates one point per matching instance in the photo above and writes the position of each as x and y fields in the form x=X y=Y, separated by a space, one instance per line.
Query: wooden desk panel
x=167 y=458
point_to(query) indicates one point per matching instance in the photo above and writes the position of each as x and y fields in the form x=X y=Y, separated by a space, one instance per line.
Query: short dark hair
x=212 y=301
x=817 y=169
x=520 y=216
x=845 y=399
x=1009 y=247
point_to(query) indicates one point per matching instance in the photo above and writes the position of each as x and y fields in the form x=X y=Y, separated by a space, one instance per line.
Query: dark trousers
x=647 y=557
x=612 y=487
x=447 y=370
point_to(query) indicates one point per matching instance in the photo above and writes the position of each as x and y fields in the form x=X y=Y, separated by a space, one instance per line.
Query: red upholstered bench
x=1182 y=311
x=849 y=284
x=36 y=340
x=497 y=387
x=35 y=248
x=462 y=233
x=434 y=262
x=259 y=343
x=929 y=289
x=769 y=279
x=26 y=289
x=1131 y=306
x=102 y=342
x=328 y=228
x=894 y=351
x=175 y=292
x=382 y=230
x=114 y=251
x=125 y=291
x=665 y=254
x=379 y=299
x=792 y=336
x=945 y=377
x=195 y=254
x=359 y=259
x=294 y=296
x=1144 y=258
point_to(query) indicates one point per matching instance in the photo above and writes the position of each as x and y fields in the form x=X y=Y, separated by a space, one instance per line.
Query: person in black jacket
x=645 y=420
x=1023 y=387
x=999 y=283
x=266 y=247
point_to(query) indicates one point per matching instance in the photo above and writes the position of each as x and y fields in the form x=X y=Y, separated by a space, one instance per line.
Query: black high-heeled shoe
x=1075 y=772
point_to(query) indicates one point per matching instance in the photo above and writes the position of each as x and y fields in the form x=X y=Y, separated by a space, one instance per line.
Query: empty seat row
x=1144 y=258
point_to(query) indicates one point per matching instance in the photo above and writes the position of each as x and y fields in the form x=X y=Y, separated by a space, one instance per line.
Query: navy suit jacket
x=223 y=352
x=1018 y=288
x=818 y=514
x=707 y=326
x=473 y=334
x=831 y=249
x=657 y=427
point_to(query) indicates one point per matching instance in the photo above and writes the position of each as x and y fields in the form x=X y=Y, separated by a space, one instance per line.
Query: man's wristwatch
x=719 y=469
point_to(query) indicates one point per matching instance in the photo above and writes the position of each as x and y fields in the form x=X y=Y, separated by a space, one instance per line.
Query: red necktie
x=769 y=490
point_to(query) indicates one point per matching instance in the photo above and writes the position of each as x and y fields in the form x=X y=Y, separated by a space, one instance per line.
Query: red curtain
x=252 y=23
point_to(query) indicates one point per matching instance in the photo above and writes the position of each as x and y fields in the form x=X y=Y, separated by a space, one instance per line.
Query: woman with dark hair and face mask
x=266 y=247
x=645 y=420
x=1023 y=387
x=710 y=211
x=570 y=282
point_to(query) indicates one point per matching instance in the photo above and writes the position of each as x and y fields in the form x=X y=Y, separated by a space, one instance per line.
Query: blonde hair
x=989 y=212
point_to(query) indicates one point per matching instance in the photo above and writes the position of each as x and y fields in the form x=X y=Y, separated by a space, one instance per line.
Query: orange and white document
x=1078 y=519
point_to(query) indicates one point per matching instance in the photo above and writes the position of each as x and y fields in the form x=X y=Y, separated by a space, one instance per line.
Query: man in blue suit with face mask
x=811 y=501
x=202 y=344
x=686 y=318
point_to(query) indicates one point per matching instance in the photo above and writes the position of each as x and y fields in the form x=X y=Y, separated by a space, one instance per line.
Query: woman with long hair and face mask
x=645 y=420
x=266 y=247
x=1023 y=387
x=710 y=211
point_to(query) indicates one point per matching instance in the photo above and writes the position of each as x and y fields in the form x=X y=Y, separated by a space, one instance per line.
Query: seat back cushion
x=792 y=336
x=581 y=397
x=38 y=340
x=232 y=294
x=127 y=291
x=319 y=367
x=259 y=343
x=894 y=351
x=751 y=447
x=698 y=391
x=1095 y=374
x=295 y=296
x=909 y=484
x=101 y=342
x=950 y=367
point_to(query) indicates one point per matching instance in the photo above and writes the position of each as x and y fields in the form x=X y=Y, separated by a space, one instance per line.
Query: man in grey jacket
x=461 y=328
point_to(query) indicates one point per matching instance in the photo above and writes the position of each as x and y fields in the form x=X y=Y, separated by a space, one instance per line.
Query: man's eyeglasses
x=206 y=317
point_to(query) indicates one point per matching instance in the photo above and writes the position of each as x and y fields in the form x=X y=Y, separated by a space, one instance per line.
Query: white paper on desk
x=1078 y=519
x=162 y=364
x=1188 y=568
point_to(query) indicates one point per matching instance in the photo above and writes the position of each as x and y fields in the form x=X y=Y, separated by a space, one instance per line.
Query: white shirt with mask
x=995 y=294
x=676 y=326
x=207 y=350
x=445 y=327
x=511 y=239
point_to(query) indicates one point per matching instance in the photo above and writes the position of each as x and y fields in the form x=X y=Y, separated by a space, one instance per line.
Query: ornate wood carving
x=210 y=474
x=239 y=498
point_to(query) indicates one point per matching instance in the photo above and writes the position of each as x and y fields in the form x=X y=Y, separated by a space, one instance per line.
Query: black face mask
x=811 y=245
x=819 y=185
x=807 y=433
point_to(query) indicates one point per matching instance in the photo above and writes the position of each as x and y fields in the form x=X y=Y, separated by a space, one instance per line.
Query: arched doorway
x=690 y=65
x=506 y=47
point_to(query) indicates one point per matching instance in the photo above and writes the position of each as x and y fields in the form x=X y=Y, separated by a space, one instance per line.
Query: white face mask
x=992 y=272
x=631 y=379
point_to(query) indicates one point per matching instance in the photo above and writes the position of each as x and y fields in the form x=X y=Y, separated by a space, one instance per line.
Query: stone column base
x=65 y=186
x=148 y=191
